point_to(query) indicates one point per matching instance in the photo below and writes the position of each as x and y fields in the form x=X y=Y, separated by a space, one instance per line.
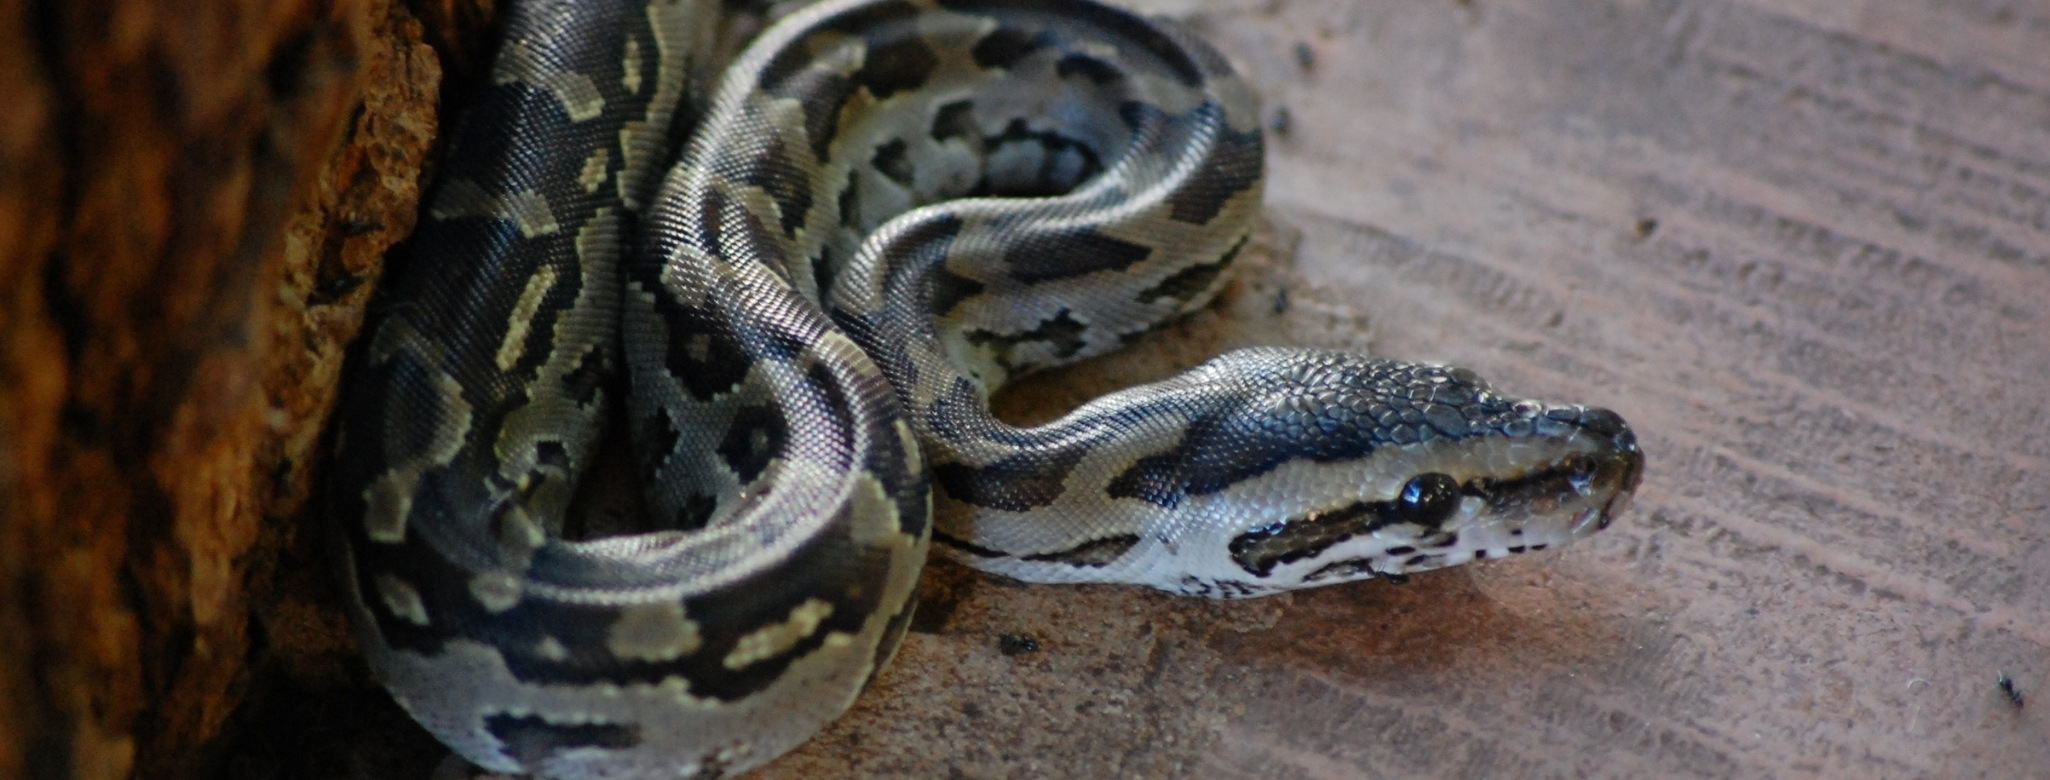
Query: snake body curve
x=887 y=209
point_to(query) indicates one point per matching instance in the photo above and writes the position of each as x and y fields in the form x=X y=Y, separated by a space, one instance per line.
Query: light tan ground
x=1803 y=246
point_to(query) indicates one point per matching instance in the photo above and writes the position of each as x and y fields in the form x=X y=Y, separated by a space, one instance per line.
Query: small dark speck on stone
x=1280 y=121
x=1013 y=644
x=1305 y=57
x=2014 y=695
x=1281 y=301
x=1646 y=227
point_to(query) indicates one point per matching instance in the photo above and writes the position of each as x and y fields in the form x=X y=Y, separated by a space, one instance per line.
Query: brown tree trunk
x=194 y=203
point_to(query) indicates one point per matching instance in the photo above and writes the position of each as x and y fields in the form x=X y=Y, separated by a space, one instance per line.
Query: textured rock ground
x=1804 y=246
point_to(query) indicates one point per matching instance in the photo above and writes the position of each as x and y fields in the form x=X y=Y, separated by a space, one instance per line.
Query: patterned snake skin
x=885 y=210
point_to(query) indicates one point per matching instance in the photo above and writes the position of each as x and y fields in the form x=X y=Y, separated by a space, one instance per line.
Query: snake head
x=1348 y=467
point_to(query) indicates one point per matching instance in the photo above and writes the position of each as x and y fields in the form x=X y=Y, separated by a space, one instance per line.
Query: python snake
x=885 y=210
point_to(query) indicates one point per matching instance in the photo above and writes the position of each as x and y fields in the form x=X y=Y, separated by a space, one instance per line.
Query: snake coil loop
x=888 y=209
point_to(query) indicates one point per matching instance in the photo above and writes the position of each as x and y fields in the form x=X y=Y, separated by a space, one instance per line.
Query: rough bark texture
x=192 y=197
x=1804 y=246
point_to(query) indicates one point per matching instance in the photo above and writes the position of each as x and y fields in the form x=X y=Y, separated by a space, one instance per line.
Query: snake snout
x=1612 y=467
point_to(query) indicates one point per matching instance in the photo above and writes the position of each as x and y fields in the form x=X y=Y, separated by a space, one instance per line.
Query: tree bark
x=194 y=203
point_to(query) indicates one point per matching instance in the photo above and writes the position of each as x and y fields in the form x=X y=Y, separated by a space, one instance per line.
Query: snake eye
x=1427 y=500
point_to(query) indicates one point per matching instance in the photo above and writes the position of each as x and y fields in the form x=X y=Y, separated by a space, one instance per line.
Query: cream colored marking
x=401 y=598
x=497 y=591
x=631 y=66
x=909 y=441
x=521 y=62
x=389 y=498
x=519 y=532
x=873 y=516
x=577 y=94
x=653 y=632
x=522 y=319
x=774 y=640
x=699 y=347
x=528 y=210
x=598 y=238
x=387 y=501
x=678 y=28
x=593 y=175
x=551 y=649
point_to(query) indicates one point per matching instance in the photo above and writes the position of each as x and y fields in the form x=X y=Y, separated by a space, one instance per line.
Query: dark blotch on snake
x=820 y=93
x=1049 y=255
x=551 y=454
x=1426 y=500
x=955 y=120
x=825 y=269
x=1093 y=553
x=1063 y=333
x=950 y=289
x=788 y=186
x=971 y=548
x=530 y=738
x=1189 y=282
x=1006 y=46
x=584 y=382
x=890 y=160
x=702 y=353
x=1156 y=479
x=1063 y=163
x=655 y=440
x=695 y=511
x=896 y=65
x=755 y=437
x=1091 y=68
x=1346 y=568
x=1231 y=169
x=1016 y=484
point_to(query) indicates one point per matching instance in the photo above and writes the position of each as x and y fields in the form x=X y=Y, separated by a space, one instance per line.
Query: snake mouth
x=1563 y=499
x=1591 y=486
x=1572 y=481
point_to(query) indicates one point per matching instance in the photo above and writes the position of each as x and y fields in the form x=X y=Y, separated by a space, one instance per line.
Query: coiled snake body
x=888 y=208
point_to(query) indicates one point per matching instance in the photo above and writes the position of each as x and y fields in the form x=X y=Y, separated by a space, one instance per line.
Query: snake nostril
x=1625 y=440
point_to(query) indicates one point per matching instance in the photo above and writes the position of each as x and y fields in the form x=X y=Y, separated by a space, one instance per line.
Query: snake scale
x=883 y=211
